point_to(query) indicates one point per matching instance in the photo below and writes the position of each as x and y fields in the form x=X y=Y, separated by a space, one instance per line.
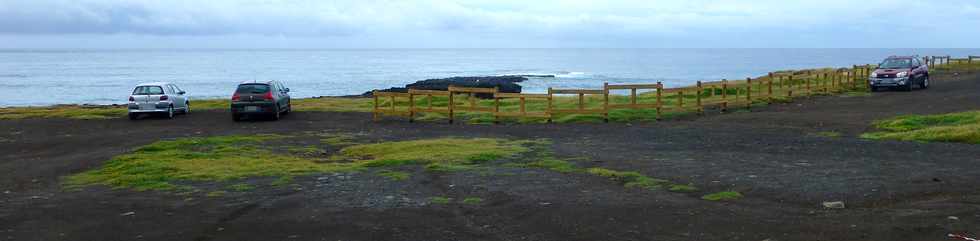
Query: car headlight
x=874 y=75
x=902 y=74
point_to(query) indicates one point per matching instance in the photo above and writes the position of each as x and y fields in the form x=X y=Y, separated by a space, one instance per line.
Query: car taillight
x=131 y=99
x=164 y=97
x=268 y=96
x=235 y=97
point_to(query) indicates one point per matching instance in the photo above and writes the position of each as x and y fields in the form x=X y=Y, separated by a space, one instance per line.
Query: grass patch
x=63 y=111
x=440 y=200
x=628 y=179
x=682 y=188
x=554 y=165
x=337 y=139
x=830 y=134
x=216 y=194
x=241 y=187
x=394 y=175
x=158 y=166
x=472 y=200
x=283 y=180
x=447 y=167
x=443 y=154
x=305 y=150
x=722 y=196
x=483 y=157
x=953 y=127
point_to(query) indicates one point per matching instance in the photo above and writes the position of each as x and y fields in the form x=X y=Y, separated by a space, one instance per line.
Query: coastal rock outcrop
x=506 y=84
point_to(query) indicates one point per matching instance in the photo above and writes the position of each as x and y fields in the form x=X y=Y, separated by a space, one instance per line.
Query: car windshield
x=896 y=64
x=148 y=90
x=253 y=88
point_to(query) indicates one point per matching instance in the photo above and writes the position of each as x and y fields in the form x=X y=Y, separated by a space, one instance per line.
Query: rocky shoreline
x=504 y=83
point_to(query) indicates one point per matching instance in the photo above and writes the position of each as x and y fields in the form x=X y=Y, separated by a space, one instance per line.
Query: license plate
x=251 y=108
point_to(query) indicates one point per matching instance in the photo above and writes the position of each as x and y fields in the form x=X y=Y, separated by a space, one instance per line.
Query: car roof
x=257 y=82
x=902 y=57
x=153 y=84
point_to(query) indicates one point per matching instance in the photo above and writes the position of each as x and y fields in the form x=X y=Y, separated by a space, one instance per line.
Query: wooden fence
x=720 y=95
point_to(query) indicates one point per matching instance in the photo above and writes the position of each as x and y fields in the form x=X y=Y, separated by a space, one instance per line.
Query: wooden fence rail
x=720 y=94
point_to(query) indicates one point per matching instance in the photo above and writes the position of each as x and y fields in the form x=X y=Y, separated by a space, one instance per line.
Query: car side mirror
x=287 y=89
x=181 y=92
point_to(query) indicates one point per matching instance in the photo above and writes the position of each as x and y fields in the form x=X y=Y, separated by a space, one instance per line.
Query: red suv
x=901 y=72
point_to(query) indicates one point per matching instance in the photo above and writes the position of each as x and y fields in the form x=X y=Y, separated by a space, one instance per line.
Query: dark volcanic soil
x=892 y=190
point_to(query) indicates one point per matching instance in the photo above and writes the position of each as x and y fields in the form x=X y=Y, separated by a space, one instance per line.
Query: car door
x=285 y=94
x=181 y=96
x=916 y=70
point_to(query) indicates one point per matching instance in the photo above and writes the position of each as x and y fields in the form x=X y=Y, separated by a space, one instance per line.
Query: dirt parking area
x=786 y=159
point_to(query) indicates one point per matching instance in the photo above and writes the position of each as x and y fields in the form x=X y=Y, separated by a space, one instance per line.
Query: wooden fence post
x=452 y=107
x=769 y=92
x=660 y=90
x=551 y=98
x=411 y=107
x=680 y=99
x=700 y=92
x=808 y=93
x=748 y=92
x=605 y=97
x=374 y=93
x=724 y=95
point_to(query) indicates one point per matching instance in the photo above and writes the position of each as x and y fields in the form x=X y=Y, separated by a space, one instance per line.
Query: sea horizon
x=51 y=76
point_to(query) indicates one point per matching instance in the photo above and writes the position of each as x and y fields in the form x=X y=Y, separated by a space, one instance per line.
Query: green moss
x=338 y=139
x=628 y=179
x=394 y=175
x=283 y=180
x=831 y=134
x=216 y=194
x=682 y=188
x=442 y=150
x=954 y=127
x=447 y=167
x=722 y=196
x=63 y=111
x=483 y=157
x=554 y=165
x=440 y=200
x=306 y=150
x=473 y=200
x=241 y=187
x=158 y=166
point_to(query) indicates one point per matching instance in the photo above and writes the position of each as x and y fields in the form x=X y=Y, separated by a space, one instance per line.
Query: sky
x=489 y=24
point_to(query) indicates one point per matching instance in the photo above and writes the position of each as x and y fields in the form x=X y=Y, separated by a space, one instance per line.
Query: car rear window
x=896 y=64
x=253 y=88
x=148 y=90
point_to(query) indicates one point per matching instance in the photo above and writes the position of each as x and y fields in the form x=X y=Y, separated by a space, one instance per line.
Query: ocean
x=48 y=77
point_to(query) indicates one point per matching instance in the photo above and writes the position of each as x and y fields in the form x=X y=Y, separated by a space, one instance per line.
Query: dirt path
x=893 y=190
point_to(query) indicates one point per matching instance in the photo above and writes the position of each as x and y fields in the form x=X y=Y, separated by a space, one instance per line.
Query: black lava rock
x=505 y=84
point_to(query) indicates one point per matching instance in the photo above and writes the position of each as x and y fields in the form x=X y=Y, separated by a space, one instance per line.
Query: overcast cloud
x=484 y=23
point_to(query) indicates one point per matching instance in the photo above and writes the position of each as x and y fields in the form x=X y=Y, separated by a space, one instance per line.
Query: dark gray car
x=253 y=98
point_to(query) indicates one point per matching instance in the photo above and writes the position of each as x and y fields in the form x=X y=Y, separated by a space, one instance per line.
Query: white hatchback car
x=158 y=98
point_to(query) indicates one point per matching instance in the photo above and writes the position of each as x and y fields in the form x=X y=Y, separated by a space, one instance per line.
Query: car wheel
x=236 y=117
x=907 y=86
x=925 y=83
x=187 y=108
x=170 y=112
x=873 y=88
x=133 y=116
x=289 y=108
x=276 y=114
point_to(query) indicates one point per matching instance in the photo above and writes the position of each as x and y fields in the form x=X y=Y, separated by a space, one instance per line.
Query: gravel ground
x=773 y=155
